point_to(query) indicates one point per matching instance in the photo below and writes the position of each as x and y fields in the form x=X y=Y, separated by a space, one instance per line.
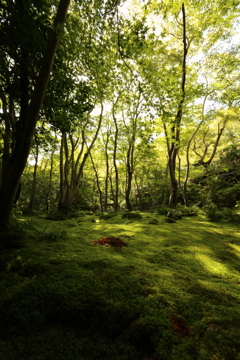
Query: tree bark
x=130 y=154
x=49 y=191
x=17 y=162
x=72 y=170
x=116 y=205
x=34 y=181
x=175 y=131
x=98 y=183
x=184 y=188
x=107 y=171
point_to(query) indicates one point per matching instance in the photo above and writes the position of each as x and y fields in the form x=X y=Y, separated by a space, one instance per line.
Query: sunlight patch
x=236 y=248
x=211 y=265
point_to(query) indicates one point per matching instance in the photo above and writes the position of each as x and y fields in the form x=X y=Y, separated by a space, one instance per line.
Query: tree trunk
x=49 y=199
x=61 y=170
x=107 y=172
x=116 y=205
x=32 y=196
x=98 y=183
x=184 y=188
x=129 y=174
x=175 y=131
x=16 y=164
x=71 y=169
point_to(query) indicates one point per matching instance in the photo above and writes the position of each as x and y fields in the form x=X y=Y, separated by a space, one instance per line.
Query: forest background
x=141 y=110
x=109 y=107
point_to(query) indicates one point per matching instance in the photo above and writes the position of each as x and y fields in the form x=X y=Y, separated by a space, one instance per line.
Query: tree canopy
x=142 y=101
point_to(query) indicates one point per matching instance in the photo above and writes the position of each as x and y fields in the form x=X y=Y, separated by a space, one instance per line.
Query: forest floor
x=173 y=293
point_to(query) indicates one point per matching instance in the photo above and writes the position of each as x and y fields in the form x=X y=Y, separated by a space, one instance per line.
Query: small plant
x=153 y=222
x=29 y=224
x=52 y=235
x=212 y=212
x=14 y=225
x=162 y=209
x=187 y=210
x=131 y=215
x=231 y=215
x=106 y=216
x=174 y=214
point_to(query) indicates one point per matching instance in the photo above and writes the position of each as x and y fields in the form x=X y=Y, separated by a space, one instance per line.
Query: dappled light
x=159 y=295
x=212 y=265
x=119 y=180
x=236 y=249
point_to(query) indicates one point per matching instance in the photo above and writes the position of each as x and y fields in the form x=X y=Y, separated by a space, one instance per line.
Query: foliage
x=223 y=179
x=230 y=215
x=187 y=210
x=128 y=59
x=212 y=211
x=162 y=209
x=174 y=214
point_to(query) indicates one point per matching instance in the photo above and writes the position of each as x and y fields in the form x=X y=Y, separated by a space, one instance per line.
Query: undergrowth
x=171 y=294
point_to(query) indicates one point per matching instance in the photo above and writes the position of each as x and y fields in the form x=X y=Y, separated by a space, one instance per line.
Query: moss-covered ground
x=172 y=294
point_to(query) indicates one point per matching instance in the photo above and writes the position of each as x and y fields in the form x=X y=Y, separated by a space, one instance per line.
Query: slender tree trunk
x=116 y=204
x=6 y=137
x=111 y=188
x=98 y=183
x=49 y=192
x=220 y=132
x=34 y=182
x=129 y=175
x=107 y=173
x=15 y=165
x=61 y=171
x=175 y=131
x=179 y=170
x=184 y=188
x=72 y=170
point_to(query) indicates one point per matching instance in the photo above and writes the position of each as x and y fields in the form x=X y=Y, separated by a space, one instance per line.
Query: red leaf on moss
x=110 y=241
x=179 y=326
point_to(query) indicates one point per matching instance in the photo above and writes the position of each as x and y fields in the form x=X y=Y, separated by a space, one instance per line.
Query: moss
x=70 y=299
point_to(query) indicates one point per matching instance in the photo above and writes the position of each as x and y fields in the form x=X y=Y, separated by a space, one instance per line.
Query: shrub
x=187 y=210
x=174 y=214
x=154 y=222
x=131 y=215
x=212 y=212
x=230 y=215
x=106 y=216
x=162 y=209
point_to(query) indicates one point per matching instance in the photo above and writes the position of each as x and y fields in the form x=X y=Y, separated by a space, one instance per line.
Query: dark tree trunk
x=15 y=165
x=34 y=183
